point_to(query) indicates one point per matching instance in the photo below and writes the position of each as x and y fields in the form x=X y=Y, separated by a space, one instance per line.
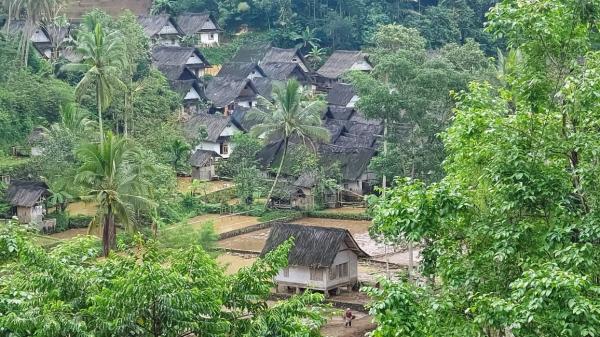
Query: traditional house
x=283 y=71
x=342 y=95
x=322 y=258
x=340 y=62
x=161 y=29
x=27 y=199
x=203 y=164
x=226 y=93
x=241 y=70
x=305 y=196
x=213 y=131
x=78 y=8
x=185 y=83
x=189 y=57
x=265 y=53
x=353 y=162
x=202 y=25
x=40 y=38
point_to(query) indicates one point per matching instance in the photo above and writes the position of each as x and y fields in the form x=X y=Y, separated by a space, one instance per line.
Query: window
x=211 y=36
x=333 y=271
x=342 y=270
x=224 y=148
x=316 y=274
x=286 y=272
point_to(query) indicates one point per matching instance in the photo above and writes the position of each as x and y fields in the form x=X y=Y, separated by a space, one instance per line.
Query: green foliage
x=278 y=215
x=144 y=292
x=340 y=216
x=186 y=235
x=511 y=232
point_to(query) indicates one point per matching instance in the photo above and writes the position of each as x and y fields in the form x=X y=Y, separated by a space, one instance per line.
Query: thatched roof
x=253 y=53
x=275 y=54
x=306 y=180
x=176 y=56
x=192 y=23
x=176 y=72
x=224 y=90
x=360 y=118
x=183 y=87
x=335 y=127
x=213 y=124
x=283 y=71
x=264 y=86
x=25 y=193
x=201 y=158
x=353 y=161
x=269 y=152
x=340 y=94
x=314 y=247
x=36 y=136
x=240 y=70
x=339 y=112
x=153 y=24
x=342 y=61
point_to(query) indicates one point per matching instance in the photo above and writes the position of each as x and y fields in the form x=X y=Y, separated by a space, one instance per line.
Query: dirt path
x=360 y=326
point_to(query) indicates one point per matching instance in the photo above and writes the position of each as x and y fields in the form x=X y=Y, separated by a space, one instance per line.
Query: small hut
x=322 y=258
x=27 y=199
x=203 y=164
x=202 y=25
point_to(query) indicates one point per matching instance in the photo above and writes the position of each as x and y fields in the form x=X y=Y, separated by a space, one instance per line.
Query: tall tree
x=103 y=60
x=293 y=113
x=511 y=233
x=113 y=176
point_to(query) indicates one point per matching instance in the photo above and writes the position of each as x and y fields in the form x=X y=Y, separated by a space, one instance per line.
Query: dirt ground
x=347 y=210
x=252 y=242
x=82 y=208
x=224 y=223
x=69 y=233
x=360 y=326
x=183 y=184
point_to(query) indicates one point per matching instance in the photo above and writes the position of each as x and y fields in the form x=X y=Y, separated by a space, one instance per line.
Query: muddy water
x=225 y=223
x=82 y=208
x=253 y=242
x=234 y=262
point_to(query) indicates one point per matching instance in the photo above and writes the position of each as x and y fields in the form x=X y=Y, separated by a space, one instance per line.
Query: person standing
x=348 y=318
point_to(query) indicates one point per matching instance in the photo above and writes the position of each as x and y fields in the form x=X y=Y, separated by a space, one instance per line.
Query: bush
x=339 y=216
x=279 y=214
x=80 y=221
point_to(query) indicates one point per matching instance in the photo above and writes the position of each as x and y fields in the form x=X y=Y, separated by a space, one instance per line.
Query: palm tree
x=73 y=120
x=103 y=59
x=113 y=176
x=315 y=56
x=293 y=113
x=59 y=195
x=308 y=38
x=177 y=151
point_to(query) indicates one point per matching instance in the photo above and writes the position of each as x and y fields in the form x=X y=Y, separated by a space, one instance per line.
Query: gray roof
x=353 y=161
x=25 y=193
x=340 y=62
x=251 y=53
x=340 y=94
x=177 y=56
x=176 y=72
x=214 y=125
x=201 y=158
x=224 y=90
x=306 y=180
x=339 y=112
x=239 y=70
x=182 y=87
x=314 y=247
x=264 y=86
x=275 y=54
x=192 y=23
x=283 y=71
x=152 y=24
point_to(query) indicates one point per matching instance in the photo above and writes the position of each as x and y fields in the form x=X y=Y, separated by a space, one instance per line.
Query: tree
x=511 y=232
x=178 y=152
x=103 y=60
x=293 y=114
x=112 y=175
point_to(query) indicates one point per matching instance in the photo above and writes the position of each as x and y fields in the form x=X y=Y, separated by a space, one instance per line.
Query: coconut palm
x=113 y=177
x=103 y=58
x=293 y=113
x=73 y=120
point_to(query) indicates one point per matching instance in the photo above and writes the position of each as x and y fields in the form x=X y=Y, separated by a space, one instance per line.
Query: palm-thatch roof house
x=283 y=71
x=225 y=93
x=241 y=70
x=27 y=199
x=353 y=163
x=265 y=53
x=189 y=57
x=161 y=29
x=214 y=132
x=203 y=164
x=342 y=95
x=39 y=36
x=202 y=25
x=340 y=62
x=322 y=258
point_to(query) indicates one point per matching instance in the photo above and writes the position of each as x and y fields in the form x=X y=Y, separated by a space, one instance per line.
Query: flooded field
x=224 y=223
x=234 y=262
x=82 y=208
x=251 y=242
x=183 y=185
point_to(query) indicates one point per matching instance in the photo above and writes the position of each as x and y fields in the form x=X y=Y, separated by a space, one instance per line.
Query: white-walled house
x=202 y=25
x=214 y=132
x=161 y=29
x=340 y=62
x=322 y=258
x=227 y=93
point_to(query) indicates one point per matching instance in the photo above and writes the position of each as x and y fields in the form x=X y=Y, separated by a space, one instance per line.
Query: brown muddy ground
x=234 y=262
x=82 y=208
x=224 y=223
x=252 y=242
x=360 y=326
x=346 y=210
x=183 y=184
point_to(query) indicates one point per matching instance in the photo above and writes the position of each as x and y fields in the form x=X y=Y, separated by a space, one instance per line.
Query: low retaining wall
x=335 y=303
x=257 y=227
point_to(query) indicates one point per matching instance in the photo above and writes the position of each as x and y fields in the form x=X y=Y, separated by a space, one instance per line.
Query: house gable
x=168 y=29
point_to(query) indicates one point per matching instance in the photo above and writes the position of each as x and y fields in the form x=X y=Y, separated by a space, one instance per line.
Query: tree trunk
x=106 y=232
x=285 y=147
x=99 y=106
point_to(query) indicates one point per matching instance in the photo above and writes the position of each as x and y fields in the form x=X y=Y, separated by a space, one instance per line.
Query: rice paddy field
x=183 y=185
x=224 y=223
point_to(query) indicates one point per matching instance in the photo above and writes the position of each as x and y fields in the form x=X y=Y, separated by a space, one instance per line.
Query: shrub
x=340 y=216
x=80 y=221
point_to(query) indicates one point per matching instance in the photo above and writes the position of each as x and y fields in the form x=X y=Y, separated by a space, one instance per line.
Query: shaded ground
x=361 y=325
x=224 y=223
x=82 y=208
x=183 y=184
